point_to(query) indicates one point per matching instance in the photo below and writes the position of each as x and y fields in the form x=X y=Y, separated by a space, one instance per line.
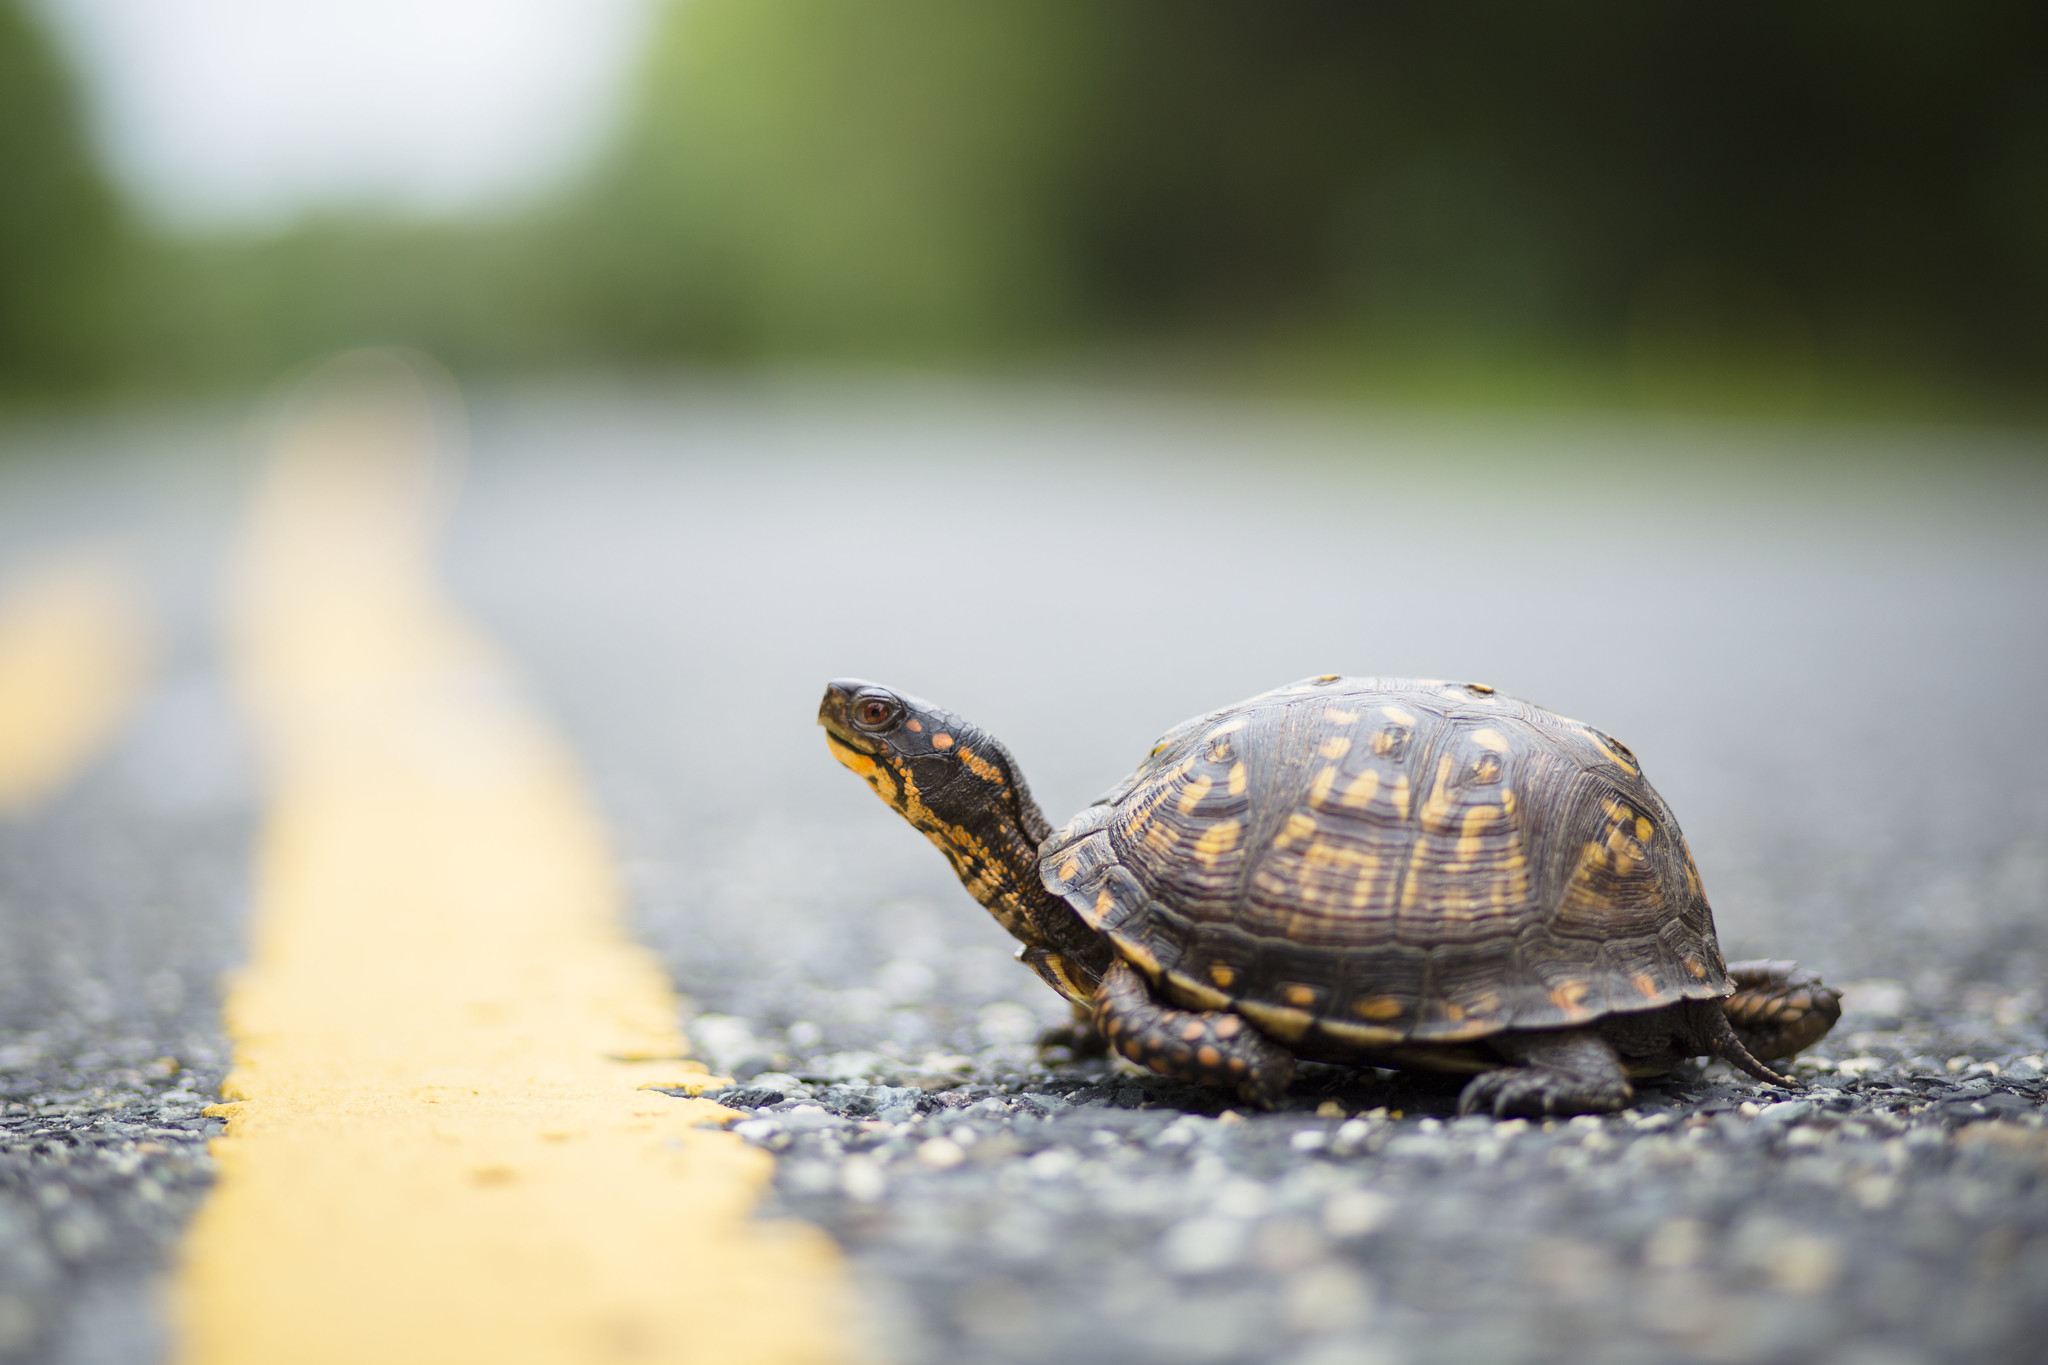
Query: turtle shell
x=1360 y=863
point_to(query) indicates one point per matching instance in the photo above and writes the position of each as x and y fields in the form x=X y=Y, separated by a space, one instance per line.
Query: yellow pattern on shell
x=1282 y=1022
x=1606 y=749
x=1361 y=1035
x=1134 y=825
x=1568 y=996
x=1216 y=841
x=1478 y=818
x=1300 y=825
x=1436 y=809
x=1184 y=989
x=1363 y=890
x=1137 y=954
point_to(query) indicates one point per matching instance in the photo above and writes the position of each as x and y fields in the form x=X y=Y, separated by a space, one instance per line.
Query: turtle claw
x=1531 y=1091
x=1511 y=1090
x=1569 y=1072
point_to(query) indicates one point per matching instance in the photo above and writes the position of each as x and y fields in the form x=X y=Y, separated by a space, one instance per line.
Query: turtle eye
x=875 y=713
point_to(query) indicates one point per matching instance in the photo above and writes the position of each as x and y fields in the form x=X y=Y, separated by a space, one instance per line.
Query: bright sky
x=248 y=112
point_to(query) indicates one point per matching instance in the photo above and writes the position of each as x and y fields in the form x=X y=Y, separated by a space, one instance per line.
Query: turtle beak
x=839 y=693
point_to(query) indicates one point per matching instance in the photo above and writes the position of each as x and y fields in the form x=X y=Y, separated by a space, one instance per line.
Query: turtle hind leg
x=1570 y=1071
x=1211 y=1047
x=1779 y=1008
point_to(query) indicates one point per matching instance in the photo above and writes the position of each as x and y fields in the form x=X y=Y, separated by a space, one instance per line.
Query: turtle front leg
x=1779 y=1008
x=1212 y=1047
x=1572 y=1071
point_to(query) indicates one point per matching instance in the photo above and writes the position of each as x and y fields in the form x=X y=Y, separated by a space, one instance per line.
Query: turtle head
x=963 y=792
x=937 y=771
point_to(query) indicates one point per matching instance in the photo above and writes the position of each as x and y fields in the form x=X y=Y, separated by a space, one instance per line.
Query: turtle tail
x=1723 y=1042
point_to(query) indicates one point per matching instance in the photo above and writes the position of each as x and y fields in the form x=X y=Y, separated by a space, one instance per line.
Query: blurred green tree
x=60 y=226
x=1703 y=201
x=886 y=178
x=1741 y=205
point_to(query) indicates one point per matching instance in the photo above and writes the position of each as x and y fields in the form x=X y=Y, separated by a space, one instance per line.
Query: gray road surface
x=121 y=904
x=1822 y=646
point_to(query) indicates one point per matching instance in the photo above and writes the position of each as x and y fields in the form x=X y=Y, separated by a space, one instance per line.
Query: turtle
x=1363 y=871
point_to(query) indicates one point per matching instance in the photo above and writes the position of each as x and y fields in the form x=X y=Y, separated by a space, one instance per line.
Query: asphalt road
x=1821 y=645
x=122 y=899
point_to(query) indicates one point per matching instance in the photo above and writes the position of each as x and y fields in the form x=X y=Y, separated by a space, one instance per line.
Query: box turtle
x=1367 y=871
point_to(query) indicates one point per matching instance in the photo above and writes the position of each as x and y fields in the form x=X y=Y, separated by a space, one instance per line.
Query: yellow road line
x=72 y=650
x=436 y=1150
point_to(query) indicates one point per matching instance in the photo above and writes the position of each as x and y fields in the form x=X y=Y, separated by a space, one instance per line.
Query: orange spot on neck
x=942 y=741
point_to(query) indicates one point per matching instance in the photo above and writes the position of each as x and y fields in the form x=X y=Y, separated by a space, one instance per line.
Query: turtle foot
x=1210 y=1047
x=1779 y=1008
x=1537 y=1093
x=1569 y=1072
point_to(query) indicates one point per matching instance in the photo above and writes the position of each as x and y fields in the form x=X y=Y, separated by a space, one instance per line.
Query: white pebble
x=1201 y=1245
x=1328 y=1298
x=1052 y=1163
x=1805 y=1265
x=1350 y=1136
x=941 y=1154
x=1676 y=1244
x=862 y=1180
x=1354 y=1213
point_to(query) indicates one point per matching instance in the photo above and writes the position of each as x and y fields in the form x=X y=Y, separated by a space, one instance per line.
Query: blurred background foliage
x=60 y=237
x=1837 y=207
